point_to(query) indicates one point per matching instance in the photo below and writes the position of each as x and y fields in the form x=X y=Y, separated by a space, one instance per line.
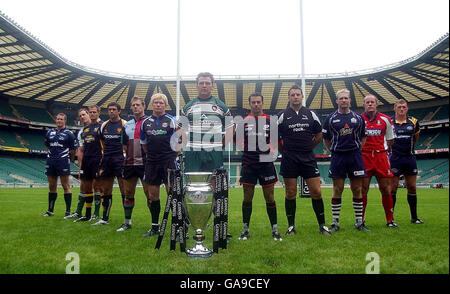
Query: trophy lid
x=198 y=177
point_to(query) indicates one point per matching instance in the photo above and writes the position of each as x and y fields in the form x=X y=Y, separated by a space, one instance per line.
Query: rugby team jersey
x=297 y=130
x=111 y=137
x=59 y=143
x=89 y=139
x=253 y=131
x=156 y=133
x=132 y=139
x=344 y=131
x=404 y=136
x=210 y=116
x=378 y=131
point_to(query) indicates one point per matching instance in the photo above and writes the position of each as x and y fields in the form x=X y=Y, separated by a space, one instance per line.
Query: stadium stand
x=33 y=91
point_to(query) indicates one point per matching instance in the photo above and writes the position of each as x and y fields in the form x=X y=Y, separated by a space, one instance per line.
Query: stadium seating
x=24 y=170
x=34 y=114
x=5 y=109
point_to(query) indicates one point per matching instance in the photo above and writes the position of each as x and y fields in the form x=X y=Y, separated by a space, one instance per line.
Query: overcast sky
x=232 y=37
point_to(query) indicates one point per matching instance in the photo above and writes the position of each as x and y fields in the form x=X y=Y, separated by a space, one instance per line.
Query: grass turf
x=32 y=244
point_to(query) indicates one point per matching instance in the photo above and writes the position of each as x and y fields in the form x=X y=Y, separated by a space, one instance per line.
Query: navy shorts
x=347 y=164
x=403 y=165
x=111 y=166
x=304 y=166
x=157 y=173
x=89 y=167
x=265 y=172
x=131 y=171
x=57 y=167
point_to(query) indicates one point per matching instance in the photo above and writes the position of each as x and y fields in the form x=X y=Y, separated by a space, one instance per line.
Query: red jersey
x=378 y=131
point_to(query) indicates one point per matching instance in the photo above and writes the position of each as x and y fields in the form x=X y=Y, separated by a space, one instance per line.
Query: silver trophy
x=198 y=200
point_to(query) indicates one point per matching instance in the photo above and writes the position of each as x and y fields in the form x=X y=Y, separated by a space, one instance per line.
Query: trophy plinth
x=198 y=205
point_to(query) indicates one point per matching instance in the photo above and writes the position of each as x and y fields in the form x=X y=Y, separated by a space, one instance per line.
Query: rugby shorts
x=264 y=172
x=377 y=164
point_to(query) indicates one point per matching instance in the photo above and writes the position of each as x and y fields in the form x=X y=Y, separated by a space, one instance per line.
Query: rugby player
x=209 y=118
x=300 y=131
x=380 y=137
x=254 y=138
x=61 y=145
x=344 y=134
x=402 y=159
x=158 y=143
x=89 y=156
x=113 y=155
x=133 y=168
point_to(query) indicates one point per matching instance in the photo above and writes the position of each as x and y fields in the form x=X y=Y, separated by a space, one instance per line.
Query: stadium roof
x=31 y=70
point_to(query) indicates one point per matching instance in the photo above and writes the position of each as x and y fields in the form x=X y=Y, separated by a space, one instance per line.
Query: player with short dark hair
x=113 y=157
x=344 y=135
x=61 y=145
x=402 y=159
x=300 y=131
x=254 y=138
x=133 y=168
x=209 y=118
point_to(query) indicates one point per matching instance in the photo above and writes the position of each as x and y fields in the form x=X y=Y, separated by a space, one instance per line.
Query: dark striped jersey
x=132 y=139
x=404 y=136
x=344 y=131
x=89 y=139
x=253 y=137
x=111 y=138
x=59 y=143
x=297 y=130
x=157 y=134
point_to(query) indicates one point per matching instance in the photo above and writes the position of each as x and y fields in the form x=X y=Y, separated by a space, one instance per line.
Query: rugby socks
x=68 y=200
x=51 y=201
x=247 y=208
x=80 y=204
x=89 y=198
x=319 y=210
x=387 y=205
x=336 y=209
x=107 y=203
x=394 y=199
x=364 y=199
x=271 y=208
x=128 y=205
x=412 y=201
x=97 y=202
x=290 y=207
x=155 y=209
x=358 y=209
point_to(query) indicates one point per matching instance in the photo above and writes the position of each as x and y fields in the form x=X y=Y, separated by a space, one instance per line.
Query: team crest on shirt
x=214 y=108
x=164 y=125
x=353 y=120
x=119 y=130
x=378 y=122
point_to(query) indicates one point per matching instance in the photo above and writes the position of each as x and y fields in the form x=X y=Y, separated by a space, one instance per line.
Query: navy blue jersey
x=89 y=139
x=111 y=137
x=344 y=131
x=59 y=143
x=297 y=130
x=156 y=134
x=404 y=136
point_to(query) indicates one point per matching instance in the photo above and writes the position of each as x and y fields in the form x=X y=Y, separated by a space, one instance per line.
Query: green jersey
x=208 y=120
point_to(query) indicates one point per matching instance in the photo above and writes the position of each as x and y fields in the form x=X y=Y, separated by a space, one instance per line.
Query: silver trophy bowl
x=198 y=201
